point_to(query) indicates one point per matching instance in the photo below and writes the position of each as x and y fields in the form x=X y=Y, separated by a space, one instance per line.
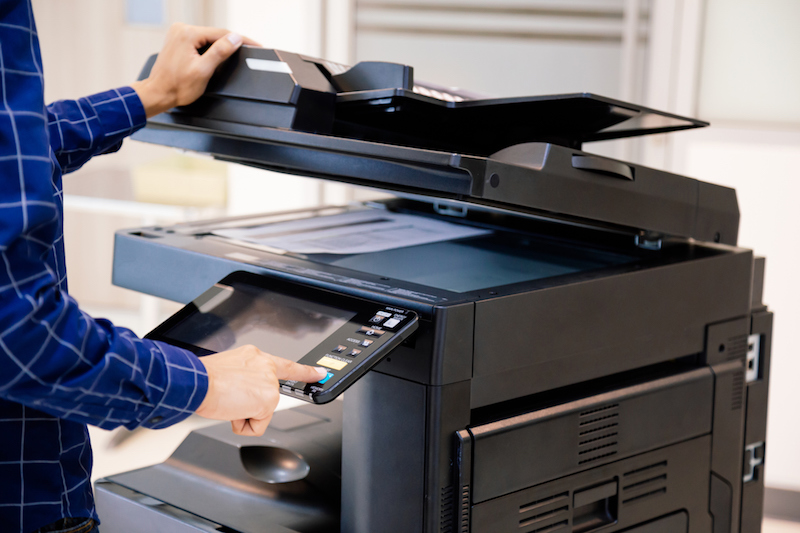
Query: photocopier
x=592 y=351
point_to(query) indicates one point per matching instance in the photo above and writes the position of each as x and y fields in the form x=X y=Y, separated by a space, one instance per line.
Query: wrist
x=154 y=100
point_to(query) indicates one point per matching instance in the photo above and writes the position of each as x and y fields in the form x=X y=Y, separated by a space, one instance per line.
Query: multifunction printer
x=591 y=350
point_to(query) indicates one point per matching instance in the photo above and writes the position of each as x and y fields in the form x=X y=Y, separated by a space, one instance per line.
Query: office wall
x=749 y=89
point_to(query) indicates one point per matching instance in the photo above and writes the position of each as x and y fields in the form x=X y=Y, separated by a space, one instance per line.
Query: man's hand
x=180 y=74
x=243 y=387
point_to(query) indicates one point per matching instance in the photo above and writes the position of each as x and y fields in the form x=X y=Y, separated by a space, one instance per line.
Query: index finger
x=289 y=370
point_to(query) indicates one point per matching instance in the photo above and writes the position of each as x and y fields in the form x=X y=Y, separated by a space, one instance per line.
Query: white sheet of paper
x=357 y=232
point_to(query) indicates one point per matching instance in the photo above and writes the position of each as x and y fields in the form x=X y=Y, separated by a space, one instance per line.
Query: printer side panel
x=610 y=461
x=708 y=305
x=726 y=349
x=383 y=460
x=756 y=422
x=397 y=448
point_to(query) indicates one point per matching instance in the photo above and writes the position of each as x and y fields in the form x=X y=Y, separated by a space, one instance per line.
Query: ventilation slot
x=446 y=515
x=645 y=495
x=600 y=447
x=597 y=457
x=607 y=417
x=646 y=482
x=598 y=439
x=602 y=416
x=547 y=529
x=464 y=514
x=660 y=480
x=599 y=410
x=662 y=464
x=598 y=419
x=546 y=514
x=737 y=347
x=737 y=391
x=598 y=433
x=610 y=426
x=539 y=504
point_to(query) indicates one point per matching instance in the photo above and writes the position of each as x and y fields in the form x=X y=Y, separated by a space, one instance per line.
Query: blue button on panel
x=326 y=378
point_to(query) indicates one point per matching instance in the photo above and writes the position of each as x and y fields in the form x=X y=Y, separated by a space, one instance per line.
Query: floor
x=773 y=525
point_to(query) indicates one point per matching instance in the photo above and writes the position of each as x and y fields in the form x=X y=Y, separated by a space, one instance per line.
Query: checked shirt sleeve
x=97 y=124
x=53 y=356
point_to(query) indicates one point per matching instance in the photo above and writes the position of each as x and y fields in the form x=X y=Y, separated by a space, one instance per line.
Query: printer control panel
x=354 y=349
x=344 y=335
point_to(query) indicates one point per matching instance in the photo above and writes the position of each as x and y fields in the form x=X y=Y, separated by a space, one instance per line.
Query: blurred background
x=733 y=63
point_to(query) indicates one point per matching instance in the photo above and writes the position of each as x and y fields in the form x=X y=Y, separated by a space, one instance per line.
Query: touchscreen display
x=229 y=316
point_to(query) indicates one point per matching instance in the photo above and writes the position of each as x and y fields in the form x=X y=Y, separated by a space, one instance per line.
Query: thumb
x=222 y=49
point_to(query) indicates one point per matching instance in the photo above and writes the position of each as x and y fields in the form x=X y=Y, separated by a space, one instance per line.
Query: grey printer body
x=598 y=358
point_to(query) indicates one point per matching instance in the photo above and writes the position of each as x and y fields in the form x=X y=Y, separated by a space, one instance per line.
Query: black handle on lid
x=603 y=166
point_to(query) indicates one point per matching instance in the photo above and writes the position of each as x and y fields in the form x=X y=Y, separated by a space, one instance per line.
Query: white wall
x=749 y=88
x=750 y=62
x=763 y=165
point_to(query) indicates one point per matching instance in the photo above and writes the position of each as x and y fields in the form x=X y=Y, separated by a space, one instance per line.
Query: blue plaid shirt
x=59 y=368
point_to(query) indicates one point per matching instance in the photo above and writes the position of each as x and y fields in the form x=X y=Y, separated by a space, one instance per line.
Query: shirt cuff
x=135 y=106
x=187 y=385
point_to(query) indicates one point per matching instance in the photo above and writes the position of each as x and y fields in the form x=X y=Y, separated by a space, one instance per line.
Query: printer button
x=339 y=349
x=370 y=332
x=392 y=322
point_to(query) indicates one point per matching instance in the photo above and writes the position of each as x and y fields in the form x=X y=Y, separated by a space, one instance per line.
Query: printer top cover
x=371 y=125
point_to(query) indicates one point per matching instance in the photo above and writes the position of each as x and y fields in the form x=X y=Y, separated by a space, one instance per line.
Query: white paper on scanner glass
x=359 y=232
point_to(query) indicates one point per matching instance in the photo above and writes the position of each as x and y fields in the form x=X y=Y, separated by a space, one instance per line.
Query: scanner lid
x=372 y=125
x=483 y=126
x=377 y=101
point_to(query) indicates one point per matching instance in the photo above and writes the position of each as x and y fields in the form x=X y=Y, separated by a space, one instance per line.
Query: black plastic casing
x=534 y=390
x=625 y=399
